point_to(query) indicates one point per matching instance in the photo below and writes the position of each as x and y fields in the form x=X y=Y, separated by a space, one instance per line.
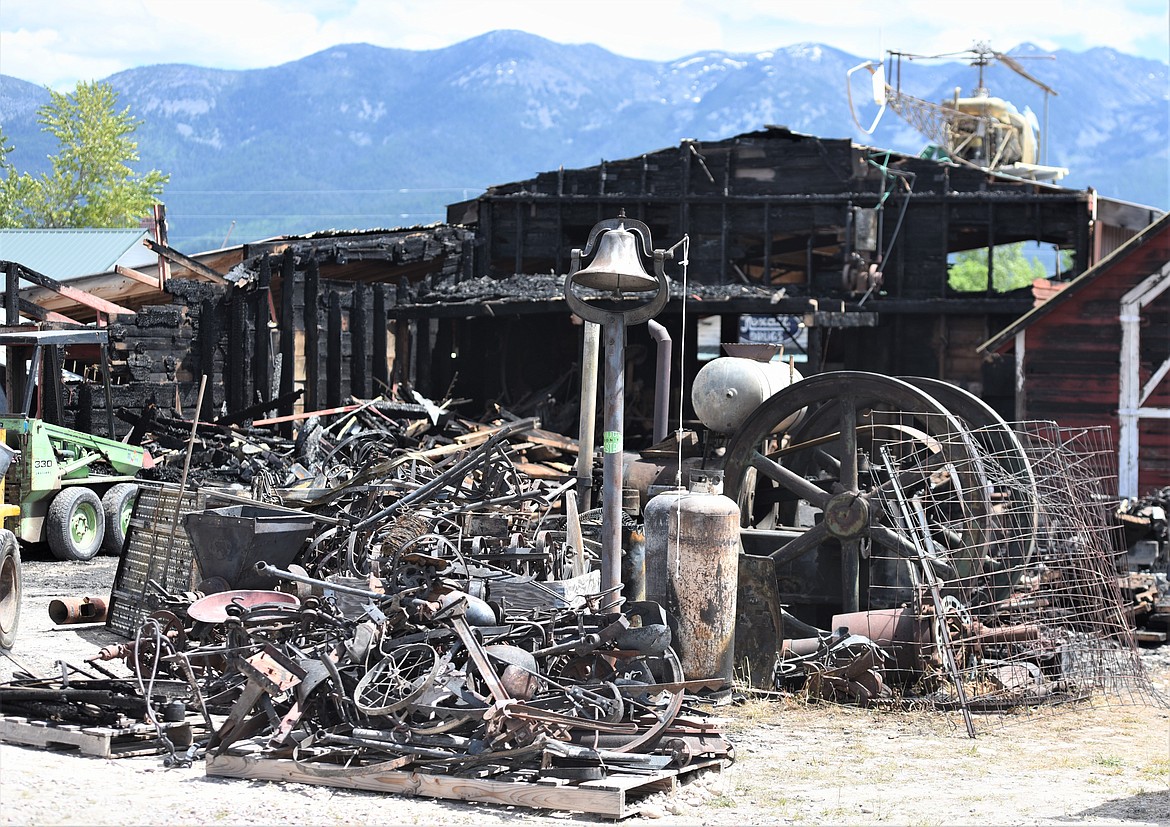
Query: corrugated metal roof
x=64 y=254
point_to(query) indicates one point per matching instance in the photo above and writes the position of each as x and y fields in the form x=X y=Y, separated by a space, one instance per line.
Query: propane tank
x=692 y=562
x=729 y=388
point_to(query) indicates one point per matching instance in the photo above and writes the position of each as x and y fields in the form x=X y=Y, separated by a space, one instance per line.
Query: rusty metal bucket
x=227 y=542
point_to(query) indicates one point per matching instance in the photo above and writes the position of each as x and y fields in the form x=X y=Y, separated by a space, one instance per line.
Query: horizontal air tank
x=726 y=390
x=692 y=554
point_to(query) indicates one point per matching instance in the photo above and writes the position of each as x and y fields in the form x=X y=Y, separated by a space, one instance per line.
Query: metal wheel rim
x=83 y=524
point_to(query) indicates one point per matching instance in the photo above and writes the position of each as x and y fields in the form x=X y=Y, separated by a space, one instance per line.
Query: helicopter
x=978 y=130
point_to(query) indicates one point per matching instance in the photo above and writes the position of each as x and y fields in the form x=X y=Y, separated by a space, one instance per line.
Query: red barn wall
x=1072 y=361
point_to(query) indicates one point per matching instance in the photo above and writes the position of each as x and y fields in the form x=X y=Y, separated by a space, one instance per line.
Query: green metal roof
x=64 y=254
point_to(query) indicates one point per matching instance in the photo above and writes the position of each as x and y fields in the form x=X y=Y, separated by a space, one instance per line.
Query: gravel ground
x=795 y=764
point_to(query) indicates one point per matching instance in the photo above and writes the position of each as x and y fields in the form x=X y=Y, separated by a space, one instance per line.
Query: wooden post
x=83 y=421
x=160 y=235
x=16 y=376
x=208 y=342
x=359 y=385
x=234 y=371
x=288 y=341
x=312 y=341
x=423 y=373
x=262 y=342
x=379 y=366
x=333 y=367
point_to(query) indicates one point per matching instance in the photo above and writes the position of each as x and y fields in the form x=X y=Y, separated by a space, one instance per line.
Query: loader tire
x=75 y=524
x=117 y=506
x=10 y=588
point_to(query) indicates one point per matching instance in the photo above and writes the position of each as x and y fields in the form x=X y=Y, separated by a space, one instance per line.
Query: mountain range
x=359 y=136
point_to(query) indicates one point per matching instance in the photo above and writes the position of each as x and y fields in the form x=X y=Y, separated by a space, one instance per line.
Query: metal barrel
x=692 y=564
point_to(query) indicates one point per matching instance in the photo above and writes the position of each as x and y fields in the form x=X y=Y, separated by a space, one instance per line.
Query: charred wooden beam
x=288 y=342
x=250 y=412
x=83 y=421
x=261 y=374
x=358 y=372
x=379 y=368
x=191 y=264
x=208 y=344
x=333 y=356
x=35 y=311
x=312 y=328
x=423 y=369
x=234 y=371
x=79 y=296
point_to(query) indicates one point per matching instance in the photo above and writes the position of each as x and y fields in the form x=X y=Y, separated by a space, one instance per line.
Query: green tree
x=91 y=183
x=1013 y=270
x=14 y=188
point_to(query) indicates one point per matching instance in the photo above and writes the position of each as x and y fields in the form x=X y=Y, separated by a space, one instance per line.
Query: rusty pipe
x=661 y=379
x=976 y=632
x=68 y=610
x=263 y=567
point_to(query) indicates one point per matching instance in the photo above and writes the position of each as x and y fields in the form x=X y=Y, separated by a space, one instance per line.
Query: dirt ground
x=1106 y=763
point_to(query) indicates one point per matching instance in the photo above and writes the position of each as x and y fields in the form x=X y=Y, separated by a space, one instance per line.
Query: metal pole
x=588 y=416
x=614 y=332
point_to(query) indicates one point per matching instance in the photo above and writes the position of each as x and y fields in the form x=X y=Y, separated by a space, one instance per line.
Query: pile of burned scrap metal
x=236 y=450
x=1147 y=586
x=436 y=609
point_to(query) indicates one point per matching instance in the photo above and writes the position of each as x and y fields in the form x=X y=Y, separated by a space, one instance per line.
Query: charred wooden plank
x=288 y=355
x=244 y=414
x=312 y=344
x=191 y=264
x=333 y=356
x=358 y=361
x=208 y=341
x=379 y=367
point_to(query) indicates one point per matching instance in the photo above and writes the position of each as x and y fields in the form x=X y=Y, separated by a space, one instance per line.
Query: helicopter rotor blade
x=1015 y=66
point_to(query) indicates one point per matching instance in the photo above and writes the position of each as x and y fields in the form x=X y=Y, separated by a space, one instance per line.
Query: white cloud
x=57 y=42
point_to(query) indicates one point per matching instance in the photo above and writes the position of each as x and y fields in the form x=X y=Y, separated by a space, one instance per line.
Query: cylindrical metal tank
x=729 y=388
x=692 y=554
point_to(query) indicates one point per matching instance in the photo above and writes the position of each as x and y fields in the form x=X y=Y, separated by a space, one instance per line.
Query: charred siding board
x=960 y=336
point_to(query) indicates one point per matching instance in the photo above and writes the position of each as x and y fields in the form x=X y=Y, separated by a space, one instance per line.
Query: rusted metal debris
x=1147 y=540
x=406 y=589
x=428 y=612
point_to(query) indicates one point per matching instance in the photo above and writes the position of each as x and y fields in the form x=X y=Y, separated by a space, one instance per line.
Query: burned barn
x=837 y=250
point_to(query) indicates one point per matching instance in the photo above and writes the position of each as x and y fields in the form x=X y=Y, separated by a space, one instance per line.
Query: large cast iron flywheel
x=825 y=489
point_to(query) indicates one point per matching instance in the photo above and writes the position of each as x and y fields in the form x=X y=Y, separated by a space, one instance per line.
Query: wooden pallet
x=616 y=797
x=98 y=741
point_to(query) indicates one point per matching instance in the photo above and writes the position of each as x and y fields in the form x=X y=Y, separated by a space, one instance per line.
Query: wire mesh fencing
x=1004 y=576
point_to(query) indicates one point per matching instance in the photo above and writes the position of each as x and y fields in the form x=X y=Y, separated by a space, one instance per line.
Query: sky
x=57 y=43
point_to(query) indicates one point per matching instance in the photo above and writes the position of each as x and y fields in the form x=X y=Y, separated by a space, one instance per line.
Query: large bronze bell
x=617 y=265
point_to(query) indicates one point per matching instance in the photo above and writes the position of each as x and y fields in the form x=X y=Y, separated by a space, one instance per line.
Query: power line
x=397 y=191
x=286 y=216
